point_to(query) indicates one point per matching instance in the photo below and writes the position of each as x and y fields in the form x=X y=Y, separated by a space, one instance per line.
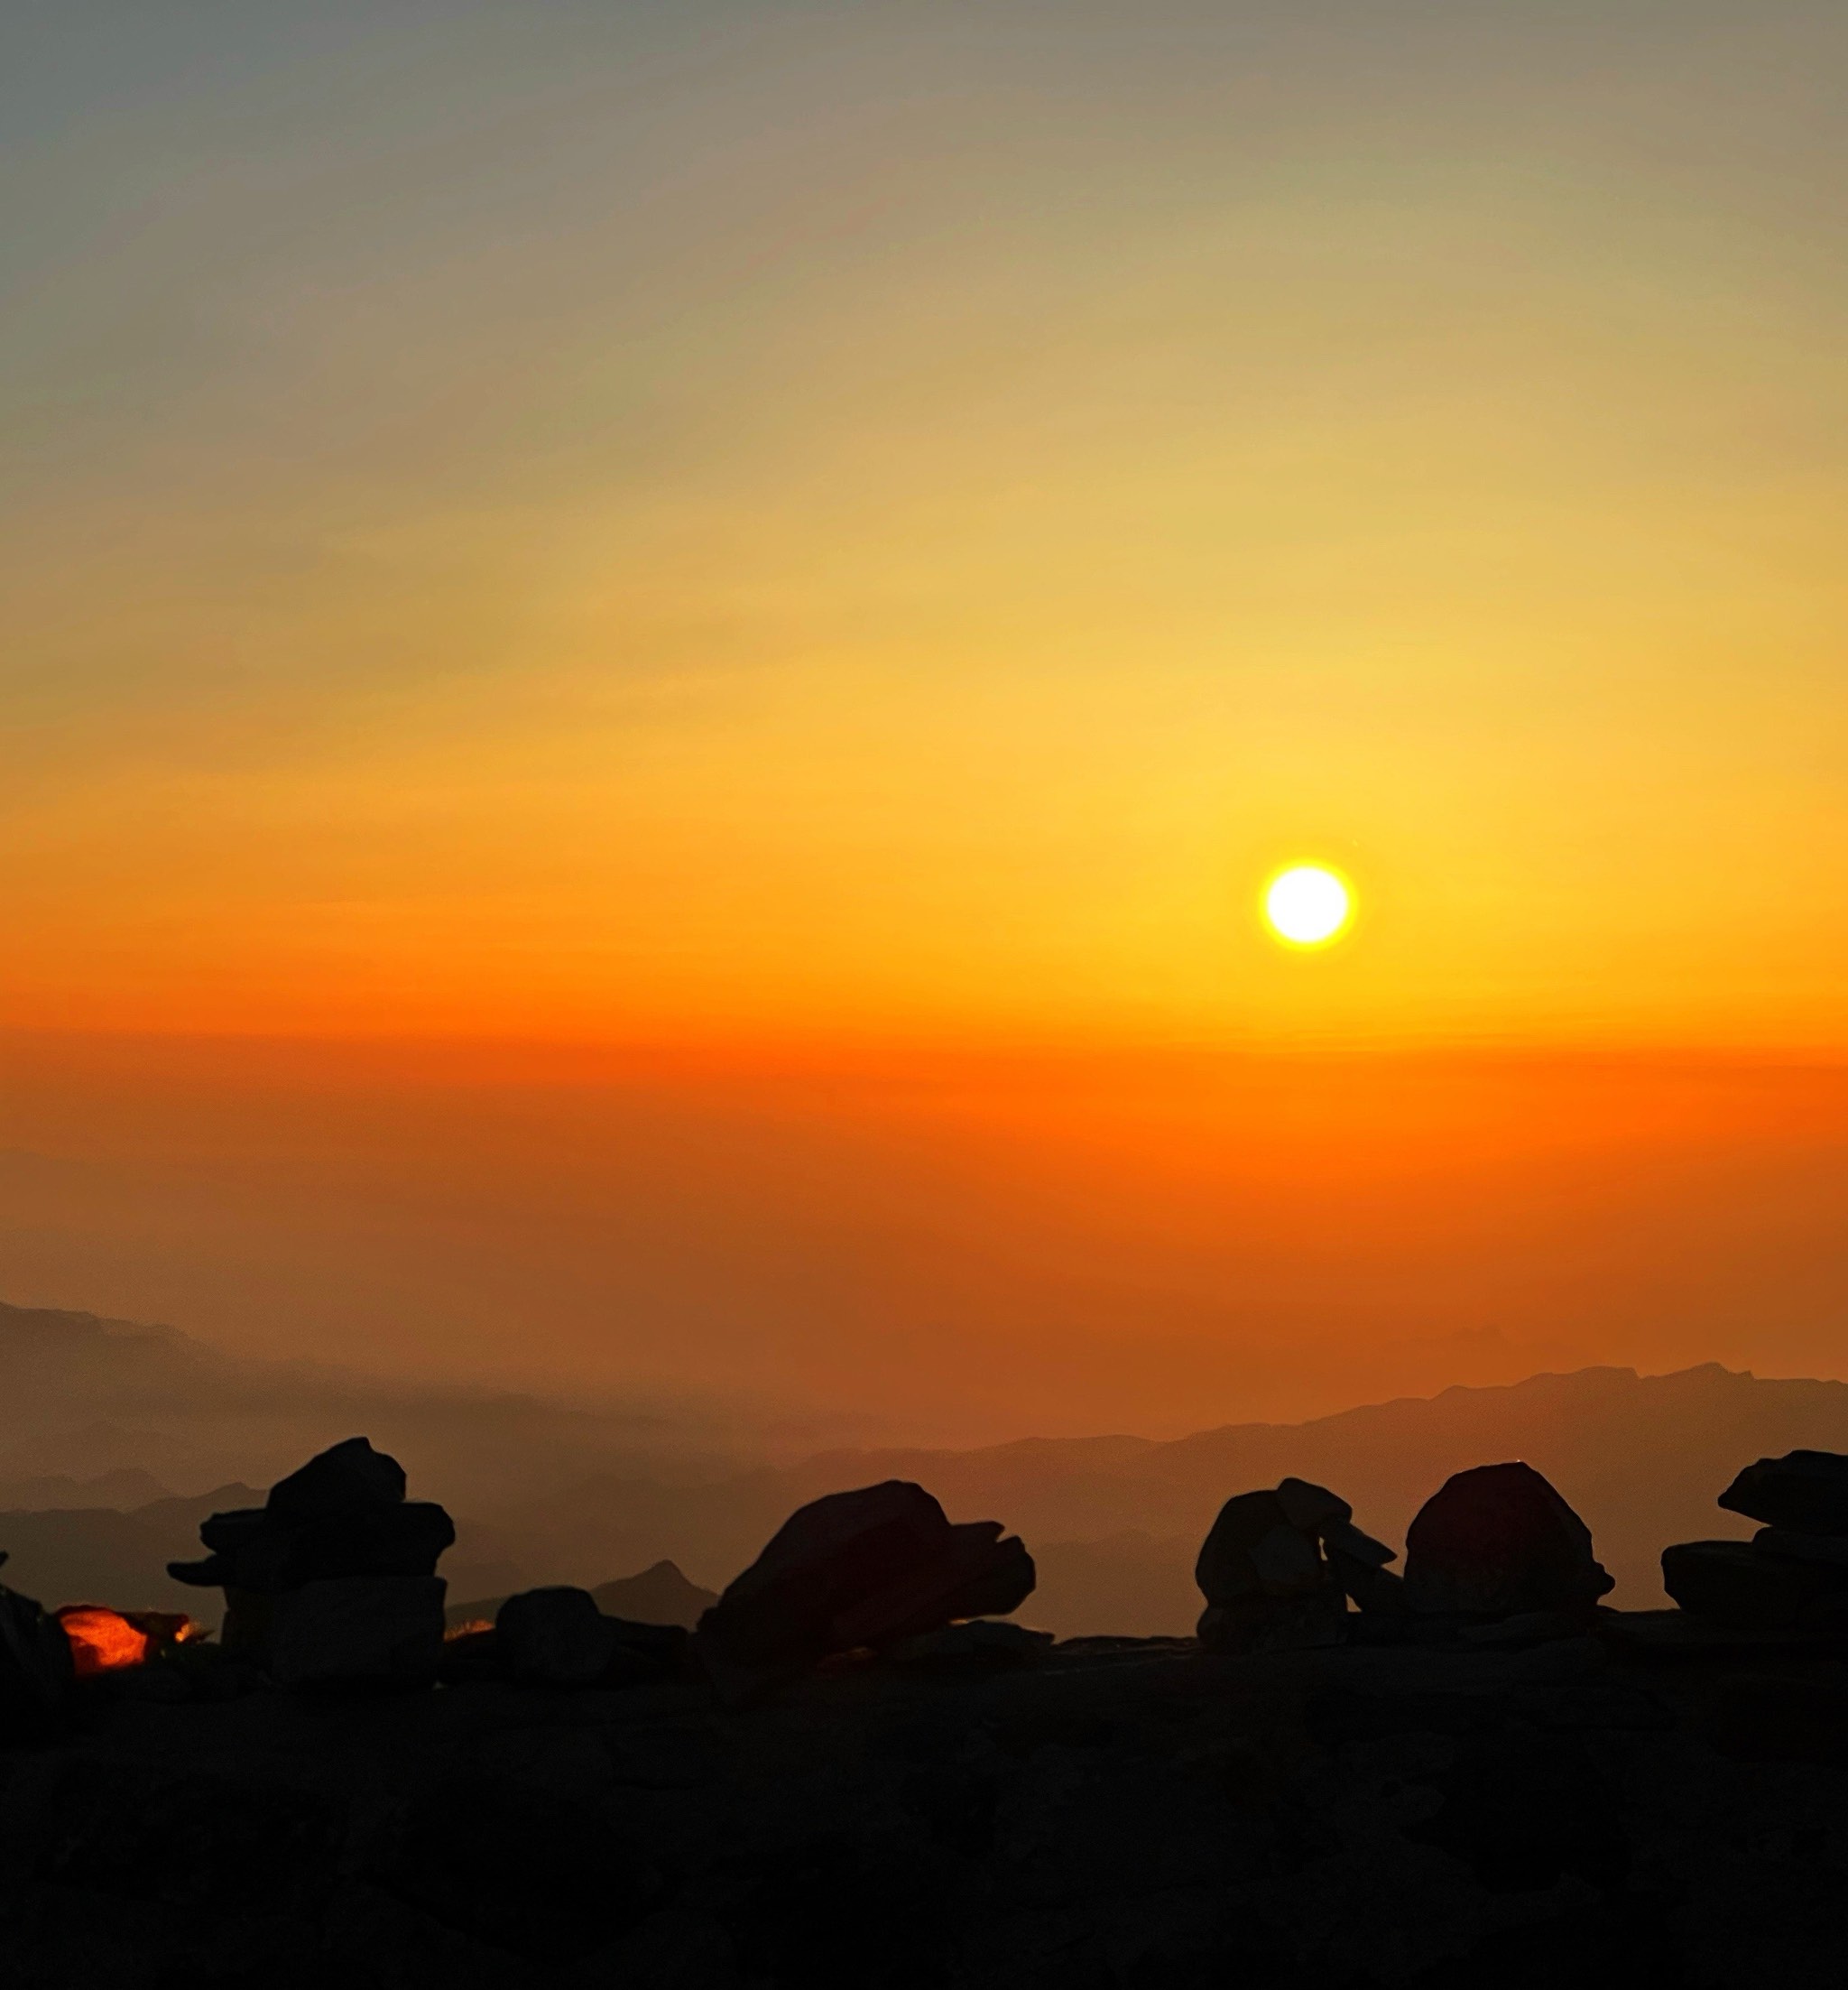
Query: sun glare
x=1308 y=905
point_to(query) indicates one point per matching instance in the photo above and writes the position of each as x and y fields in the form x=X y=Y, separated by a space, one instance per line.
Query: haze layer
x=850 y=541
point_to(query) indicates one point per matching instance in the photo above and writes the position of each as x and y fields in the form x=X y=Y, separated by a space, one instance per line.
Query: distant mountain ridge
x=1641 y=1456
x=1594 y=1430
x=551 y=1494
x=82 y=1396
x=99 y=1555
x=54 y=1492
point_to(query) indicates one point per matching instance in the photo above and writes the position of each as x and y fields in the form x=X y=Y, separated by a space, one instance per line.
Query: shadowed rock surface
x=547 y=1494
x=36 y=1668
x=1793 y=1574
x=559 y=1637
x=332 y=1580
x=658 y=1595
x=1521 y=1791
x=1621 y=1805
x=862 y=1568
x=1277 y=1567
x=1806 y=1491
x=1497 y=1541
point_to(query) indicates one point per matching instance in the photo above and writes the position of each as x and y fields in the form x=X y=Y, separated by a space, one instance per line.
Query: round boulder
x=1497 y=1541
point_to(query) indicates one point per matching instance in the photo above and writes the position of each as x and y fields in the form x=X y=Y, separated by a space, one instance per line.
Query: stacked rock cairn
x=1792 y=1576
x=332 y=1580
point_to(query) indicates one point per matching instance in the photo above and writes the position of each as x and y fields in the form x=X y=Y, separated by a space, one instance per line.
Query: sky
x=702 y=542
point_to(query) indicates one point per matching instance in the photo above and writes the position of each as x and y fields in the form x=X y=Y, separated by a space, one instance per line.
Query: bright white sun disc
x=1307 y=904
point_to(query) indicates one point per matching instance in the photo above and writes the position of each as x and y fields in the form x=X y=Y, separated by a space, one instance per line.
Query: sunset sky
x=834 y=550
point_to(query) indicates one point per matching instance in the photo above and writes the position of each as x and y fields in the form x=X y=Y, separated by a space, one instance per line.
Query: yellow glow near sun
x=1308 y=905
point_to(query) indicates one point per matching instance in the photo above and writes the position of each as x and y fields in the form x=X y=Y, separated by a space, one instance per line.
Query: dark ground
x=1118 y=1814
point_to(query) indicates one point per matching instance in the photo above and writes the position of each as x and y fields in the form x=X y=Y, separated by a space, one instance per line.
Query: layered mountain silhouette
x=553 y=1494
x=1114 y=1522
x=83 y=1398
x=95 y=1554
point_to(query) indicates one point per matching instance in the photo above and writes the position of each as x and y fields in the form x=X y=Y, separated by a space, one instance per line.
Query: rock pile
x=1494 y=1551
x=865 y=1569
x=1792 y=1575
x=1279 y=1567
x=332 y=1580
x=1118 y=1812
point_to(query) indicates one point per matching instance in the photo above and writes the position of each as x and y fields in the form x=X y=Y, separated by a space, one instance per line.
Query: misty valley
x=1189 y=1725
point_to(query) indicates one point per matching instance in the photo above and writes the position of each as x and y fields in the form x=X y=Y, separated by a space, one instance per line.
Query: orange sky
x=947 y=1246
x=880 y=527
x=900 y=527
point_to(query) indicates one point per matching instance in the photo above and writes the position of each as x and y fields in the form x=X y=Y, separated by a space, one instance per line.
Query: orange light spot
x=101 y=1641
x=165 y=1627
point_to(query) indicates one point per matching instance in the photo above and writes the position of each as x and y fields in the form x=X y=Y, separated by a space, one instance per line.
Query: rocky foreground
x=855 y=1772
x=1650 y=1801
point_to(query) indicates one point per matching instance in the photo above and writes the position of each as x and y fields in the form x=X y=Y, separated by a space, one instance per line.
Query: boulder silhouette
x=1737 y=1582
x=1225 y=1570
x=864 y=1569
x=36 y=1667
x=349 y=1481
x=1825 y=1551
x=1806 y=1491
x=1498 y=1541
x=1277 y=1568
x=555 y=1638
x=334 y=1544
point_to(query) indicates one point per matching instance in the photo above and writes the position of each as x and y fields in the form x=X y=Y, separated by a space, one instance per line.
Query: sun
x=1308 y=905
